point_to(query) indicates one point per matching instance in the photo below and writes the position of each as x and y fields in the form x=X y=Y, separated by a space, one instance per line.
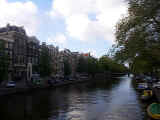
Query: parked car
x=11 y=84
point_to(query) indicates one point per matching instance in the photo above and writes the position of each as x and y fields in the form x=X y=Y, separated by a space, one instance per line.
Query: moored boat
x=142 y=86
x=147 y=94
x=153 y=111
x=156 y=85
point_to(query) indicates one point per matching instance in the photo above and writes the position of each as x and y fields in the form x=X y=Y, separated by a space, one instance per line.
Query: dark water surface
x=86 y=101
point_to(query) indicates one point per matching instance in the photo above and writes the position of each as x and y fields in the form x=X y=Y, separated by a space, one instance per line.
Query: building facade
x=33 y=53
x=24 y=51
x=21 y=50
x=7 y=49
x=16 y=46
x=72 y=58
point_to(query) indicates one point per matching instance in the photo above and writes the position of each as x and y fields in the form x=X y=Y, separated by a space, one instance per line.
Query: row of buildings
x=24 y=50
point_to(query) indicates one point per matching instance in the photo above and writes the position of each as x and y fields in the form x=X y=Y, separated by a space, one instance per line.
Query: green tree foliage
x=67 y=68
x=92 y=66
x=82 y=65
x=137 y=36
x=4 y=62
x=88 y=65
x=108 y=64
x=45 y=62
x=104 y=63
x=140 y=65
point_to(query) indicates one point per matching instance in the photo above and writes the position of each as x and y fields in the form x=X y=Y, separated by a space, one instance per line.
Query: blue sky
x=79 y=25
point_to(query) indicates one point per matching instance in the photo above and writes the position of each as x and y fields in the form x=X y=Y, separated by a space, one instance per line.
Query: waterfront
x=86 y=101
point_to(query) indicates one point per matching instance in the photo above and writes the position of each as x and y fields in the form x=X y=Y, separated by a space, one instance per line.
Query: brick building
x=33 y=53
x=24 y=51
x=16 y=45
x=21 y=50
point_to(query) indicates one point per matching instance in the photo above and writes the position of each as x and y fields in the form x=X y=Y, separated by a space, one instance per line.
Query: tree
x=67 y=67
x=108 y=64
x=104 y=63
x=137 y=36
x=93 y=67
x=45 y=62
x=82 y=65
x=4 y=62
x=140 y=65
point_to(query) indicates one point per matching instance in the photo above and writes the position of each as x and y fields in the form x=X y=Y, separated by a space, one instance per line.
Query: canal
x=99 y=100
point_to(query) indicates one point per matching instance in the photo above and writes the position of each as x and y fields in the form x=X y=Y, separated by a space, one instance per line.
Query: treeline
x=4 y=62
x=93 y=65
x=85 y=65
x=138 y=37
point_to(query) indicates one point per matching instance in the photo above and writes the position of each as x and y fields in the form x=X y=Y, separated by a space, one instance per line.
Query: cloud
x=75 y=29
x=21 y=14
x=71 y=7
x=77 y=16
x=58 y=40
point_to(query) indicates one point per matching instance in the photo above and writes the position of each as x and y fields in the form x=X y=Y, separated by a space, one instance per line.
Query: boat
x=153 y=111
x=147 y=94
x=142 y=86
x=156 y=85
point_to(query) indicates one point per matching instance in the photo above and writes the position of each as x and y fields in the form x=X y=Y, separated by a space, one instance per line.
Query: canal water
x=99 y=100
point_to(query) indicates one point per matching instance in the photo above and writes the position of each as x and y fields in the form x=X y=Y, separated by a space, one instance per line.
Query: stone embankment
x=8 y=91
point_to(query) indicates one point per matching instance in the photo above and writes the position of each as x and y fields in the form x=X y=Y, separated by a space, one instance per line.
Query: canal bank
x=148 y=89
x=29 y=88
x=23 y=89
x=115 y=100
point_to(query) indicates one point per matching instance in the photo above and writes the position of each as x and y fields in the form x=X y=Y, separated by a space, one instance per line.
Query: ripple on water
x=122 y=116
x=124 y=112
x=119 y=102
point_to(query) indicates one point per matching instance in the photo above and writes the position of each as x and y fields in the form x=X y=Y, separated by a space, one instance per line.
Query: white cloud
x=75 y=29
x=21 y=14
x=71 y=7
x=58 y=40
x=78 y=22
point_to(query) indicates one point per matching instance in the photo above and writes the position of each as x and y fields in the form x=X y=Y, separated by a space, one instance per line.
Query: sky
x=78 y=25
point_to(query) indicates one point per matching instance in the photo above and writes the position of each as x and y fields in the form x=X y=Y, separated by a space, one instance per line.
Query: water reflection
x=99 y=100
